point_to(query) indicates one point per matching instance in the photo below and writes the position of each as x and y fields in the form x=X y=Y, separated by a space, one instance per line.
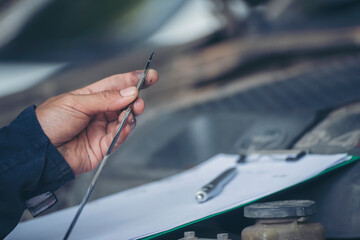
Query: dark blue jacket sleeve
x=29 y=166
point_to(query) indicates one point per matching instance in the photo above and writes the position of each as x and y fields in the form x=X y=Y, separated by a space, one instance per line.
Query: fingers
x=151 y=78
x=107 y=124
x=139 y=106
x=105 y=101
x=121 y=81
x=125 y=133
x=127 y=130
x=129 y=127
x=96 y=109
x=102 y=131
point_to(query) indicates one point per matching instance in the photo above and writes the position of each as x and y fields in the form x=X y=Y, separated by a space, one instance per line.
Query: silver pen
x=215 y=187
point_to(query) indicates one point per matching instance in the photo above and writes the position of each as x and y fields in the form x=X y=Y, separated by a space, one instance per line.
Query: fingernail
x=128 y=91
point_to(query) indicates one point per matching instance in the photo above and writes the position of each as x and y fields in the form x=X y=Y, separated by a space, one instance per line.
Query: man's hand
x=81 y=124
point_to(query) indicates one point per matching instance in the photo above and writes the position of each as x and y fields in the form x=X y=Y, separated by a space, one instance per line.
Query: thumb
x=105 y=101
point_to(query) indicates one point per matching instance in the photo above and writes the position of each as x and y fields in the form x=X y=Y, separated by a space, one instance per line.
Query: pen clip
x=289 y=155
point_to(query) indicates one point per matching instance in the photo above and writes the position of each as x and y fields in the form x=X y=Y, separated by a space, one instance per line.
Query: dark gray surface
x=317 y=92
x=330 y=86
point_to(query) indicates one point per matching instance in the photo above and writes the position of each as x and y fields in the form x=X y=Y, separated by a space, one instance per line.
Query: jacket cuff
x=56 y=171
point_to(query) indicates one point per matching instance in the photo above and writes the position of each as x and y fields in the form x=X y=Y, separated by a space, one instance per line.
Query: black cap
x=281 y=209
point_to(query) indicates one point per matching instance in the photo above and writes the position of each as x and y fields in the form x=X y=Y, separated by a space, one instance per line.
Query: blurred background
x=235 y=75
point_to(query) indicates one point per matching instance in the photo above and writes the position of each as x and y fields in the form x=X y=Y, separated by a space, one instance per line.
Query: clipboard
x=154 y=209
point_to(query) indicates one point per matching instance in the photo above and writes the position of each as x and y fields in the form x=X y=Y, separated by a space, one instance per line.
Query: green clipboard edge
x=353 y=159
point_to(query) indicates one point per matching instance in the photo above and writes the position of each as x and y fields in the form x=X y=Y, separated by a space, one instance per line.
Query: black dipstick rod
x=103 y=162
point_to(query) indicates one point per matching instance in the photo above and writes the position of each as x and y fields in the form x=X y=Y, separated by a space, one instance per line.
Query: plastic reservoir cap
x=281 y=209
